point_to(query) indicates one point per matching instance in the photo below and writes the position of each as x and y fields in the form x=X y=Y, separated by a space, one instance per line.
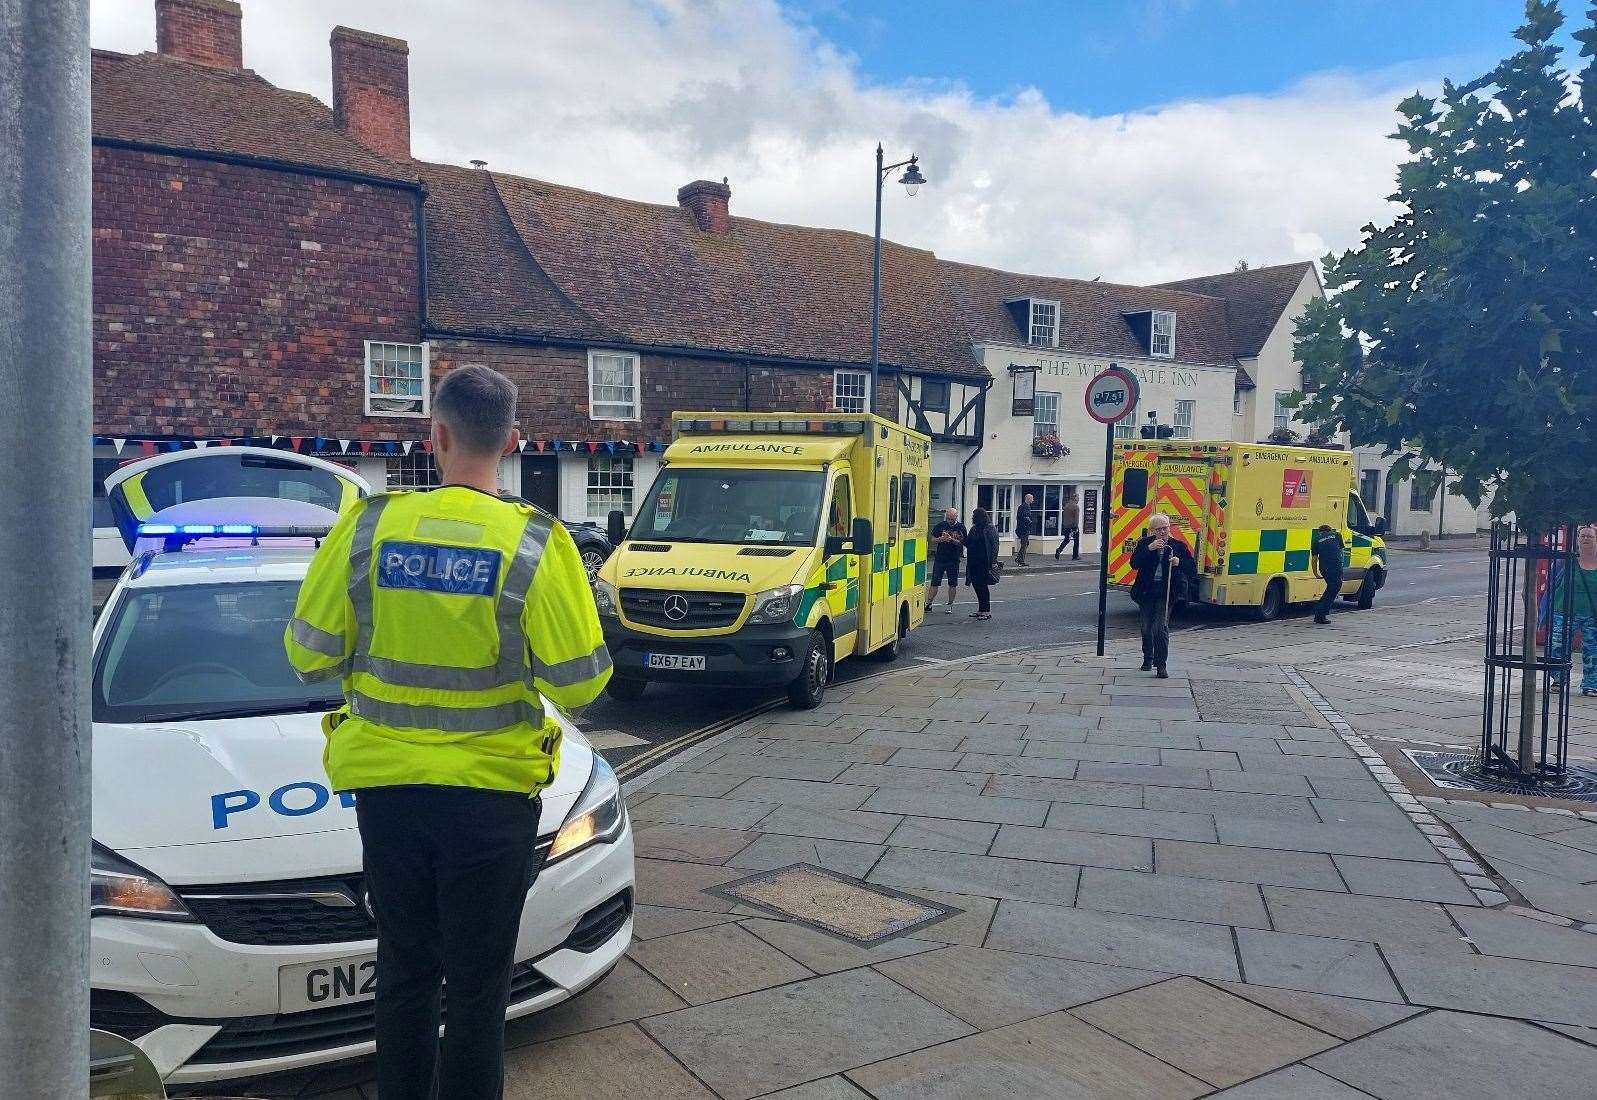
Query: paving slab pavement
x=1155 y=895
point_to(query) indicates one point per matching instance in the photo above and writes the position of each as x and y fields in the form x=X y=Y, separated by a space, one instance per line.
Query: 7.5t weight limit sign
x=1111 y=395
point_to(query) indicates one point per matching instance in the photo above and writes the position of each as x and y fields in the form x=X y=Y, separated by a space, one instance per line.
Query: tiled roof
x=1091 y=314
x=160 y=100
x=647 y=274
x=1256 y=299
x=480 y=277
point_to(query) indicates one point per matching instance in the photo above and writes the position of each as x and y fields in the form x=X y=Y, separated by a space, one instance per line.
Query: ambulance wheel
x=806 y=692
x=1274 y=602
x=890 y=651
x=627 y=691
x=1366 y=593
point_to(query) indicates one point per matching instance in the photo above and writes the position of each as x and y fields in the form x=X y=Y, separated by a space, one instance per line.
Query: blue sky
x=1108 y=56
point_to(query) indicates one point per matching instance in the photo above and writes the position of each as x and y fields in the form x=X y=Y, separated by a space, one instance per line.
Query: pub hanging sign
x=1025 y=380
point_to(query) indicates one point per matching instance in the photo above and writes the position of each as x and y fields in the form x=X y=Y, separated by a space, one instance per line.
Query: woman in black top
x=981 y=554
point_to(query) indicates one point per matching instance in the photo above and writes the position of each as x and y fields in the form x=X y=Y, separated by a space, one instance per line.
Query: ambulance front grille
x=703 y=611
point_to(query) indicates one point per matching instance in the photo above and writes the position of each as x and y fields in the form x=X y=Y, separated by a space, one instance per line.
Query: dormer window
x=1162 y=338
x=1036 y=320
x=1044 y=323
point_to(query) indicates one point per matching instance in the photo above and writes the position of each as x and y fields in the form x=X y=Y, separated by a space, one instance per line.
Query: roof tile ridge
x=526 y=250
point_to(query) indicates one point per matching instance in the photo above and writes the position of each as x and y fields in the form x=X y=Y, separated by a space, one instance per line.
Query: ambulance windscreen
x=774 y=507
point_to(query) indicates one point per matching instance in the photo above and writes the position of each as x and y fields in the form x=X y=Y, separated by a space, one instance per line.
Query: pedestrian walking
x=1166 y=574
x=1328 y=564
x=446 y=614
x=1069 y=529
x=948 y=536
x=1582 y=619
x=1025 y=527
x=981 y=561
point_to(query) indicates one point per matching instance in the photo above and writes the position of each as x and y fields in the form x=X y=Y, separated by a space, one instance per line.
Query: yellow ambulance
x=1249 y=512
x=770 y=546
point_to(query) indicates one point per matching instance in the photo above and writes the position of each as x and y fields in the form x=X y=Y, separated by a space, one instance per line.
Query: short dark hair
x=479 y=405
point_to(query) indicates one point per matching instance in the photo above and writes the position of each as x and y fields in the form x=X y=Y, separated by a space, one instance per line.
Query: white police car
x=230 y=933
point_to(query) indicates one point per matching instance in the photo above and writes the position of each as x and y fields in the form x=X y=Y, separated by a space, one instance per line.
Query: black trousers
x=1333 y=586
x=1071 y=535
x=983 y=595
x=1155 y=621
x=448 y=870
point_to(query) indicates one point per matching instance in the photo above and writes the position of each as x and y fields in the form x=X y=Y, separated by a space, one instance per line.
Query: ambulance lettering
x=763 y=448
x=691 y=571
x=290 y=800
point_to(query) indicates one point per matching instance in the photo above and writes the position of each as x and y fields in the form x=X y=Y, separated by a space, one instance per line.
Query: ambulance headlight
x=605 y=598
x=122 y=889
x=597 y=818
x=777 y=605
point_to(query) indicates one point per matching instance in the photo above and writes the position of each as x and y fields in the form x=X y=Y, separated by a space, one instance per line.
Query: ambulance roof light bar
x=773 y=426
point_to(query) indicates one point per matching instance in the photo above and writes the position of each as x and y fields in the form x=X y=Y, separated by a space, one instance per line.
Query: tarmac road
x=1029 y=609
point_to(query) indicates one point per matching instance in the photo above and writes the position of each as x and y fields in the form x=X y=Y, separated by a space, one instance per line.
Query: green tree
x=1465 y=331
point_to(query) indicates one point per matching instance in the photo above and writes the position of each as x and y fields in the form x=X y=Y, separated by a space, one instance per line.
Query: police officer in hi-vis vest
x=446 y=614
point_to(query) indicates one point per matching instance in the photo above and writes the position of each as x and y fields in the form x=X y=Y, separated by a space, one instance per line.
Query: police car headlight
x=777 y=605
x=122 y=889
x=597 y=818
x=605 y=598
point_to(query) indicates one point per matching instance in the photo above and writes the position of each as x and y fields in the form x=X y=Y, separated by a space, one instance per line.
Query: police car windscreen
x=202 y=651
x=780 y=507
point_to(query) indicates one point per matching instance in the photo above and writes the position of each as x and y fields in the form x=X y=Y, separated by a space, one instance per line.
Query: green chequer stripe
x=920 y=572
x=1297 y=561
x=1243 y=565
x=837 y=569
x=1273 y=539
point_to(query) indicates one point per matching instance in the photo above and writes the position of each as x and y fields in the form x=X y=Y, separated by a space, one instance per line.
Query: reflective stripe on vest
x=510 y=667
x=574 y=671
x=315 y=639
x=449 y=719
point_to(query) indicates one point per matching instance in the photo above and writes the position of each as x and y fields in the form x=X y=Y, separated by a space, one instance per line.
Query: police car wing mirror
x=616 y=526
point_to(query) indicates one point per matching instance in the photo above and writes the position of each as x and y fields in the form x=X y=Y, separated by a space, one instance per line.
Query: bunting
x=347 y=445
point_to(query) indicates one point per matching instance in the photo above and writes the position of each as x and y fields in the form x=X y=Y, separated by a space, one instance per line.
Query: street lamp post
x=911 y=179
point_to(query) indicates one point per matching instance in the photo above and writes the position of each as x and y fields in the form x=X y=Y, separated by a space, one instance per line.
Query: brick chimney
x=371 y=90
x=708 y=203
x=207 y=32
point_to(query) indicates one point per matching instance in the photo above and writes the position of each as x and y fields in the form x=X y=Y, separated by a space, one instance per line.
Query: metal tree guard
x=1521 y=675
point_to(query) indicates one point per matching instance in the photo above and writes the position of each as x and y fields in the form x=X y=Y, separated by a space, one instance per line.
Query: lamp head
x=912 y=179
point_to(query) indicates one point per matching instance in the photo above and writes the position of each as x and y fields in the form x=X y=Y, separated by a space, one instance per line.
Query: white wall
x=1449 y=513
x=574 y=484
x=1275 y=369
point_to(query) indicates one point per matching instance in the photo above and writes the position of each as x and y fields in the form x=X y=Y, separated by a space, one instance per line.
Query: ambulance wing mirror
x=1379 y=526
x=616 y=526
x=860 y=541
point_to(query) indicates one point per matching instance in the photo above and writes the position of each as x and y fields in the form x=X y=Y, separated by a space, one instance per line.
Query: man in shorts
x=948 y=537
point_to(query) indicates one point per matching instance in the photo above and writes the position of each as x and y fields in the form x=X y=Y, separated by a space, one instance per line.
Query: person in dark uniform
x=1328 y=563
x=1166 y=574
x=1025 y=527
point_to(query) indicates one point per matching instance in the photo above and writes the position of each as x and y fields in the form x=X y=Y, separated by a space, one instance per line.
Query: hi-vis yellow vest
x=446 y=614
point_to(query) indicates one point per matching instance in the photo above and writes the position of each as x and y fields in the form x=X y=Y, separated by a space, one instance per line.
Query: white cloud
x=636 y=97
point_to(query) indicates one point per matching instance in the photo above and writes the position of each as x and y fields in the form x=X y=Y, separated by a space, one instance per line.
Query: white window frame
x=1280 y=418
x=599 y=478
x=416 y=470
x=1126 y=427
x=1039 y=423
x=1238 y=402
x=425 y=408
x=1033 y=305
x=1154 y=335
x=839 y=397
x=1190 y=407
x=632 y=359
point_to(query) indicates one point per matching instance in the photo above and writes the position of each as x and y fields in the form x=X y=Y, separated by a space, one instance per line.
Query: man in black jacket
x=1025 y=527
x=1166 y=573
x=1328 y=557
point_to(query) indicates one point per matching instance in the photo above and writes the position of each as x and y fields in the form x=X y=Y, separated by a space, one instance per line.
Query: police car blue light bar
x=227 y=530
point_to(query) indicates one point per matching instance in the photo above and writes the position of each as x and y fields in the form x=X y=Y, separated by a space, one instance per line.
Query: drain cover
x=835 y=903
x=1456 y=771
x=1241 y=701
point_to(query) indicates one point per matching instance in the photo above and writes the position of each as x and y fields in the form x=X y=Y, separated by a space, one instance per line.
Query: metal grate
x=835 y=903
x=1458 y=771
x=302 y=911
x=681 y=610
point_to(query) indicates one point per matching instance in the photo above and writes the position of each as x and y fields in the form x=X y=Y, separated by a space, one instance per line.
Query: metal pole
x=876 y=286
x=1103 y=530
x=45 y=428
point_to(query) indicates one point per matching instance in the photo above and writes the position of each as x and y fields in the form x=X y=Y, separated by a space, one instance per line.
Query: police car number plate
x=676 y=660
x=330 y=982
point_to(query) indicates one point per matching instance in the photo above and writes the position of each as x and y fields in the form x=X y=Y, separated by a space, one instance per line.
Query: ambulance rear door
x=236 y=483
x=1182 y=493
